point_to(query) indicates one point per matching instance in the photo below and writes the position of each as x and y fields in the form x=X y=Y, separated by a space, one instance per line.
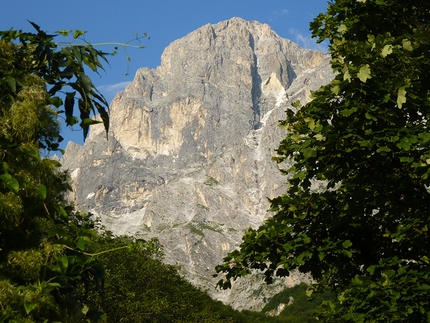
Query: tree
x=365 y=138
x=45 y=271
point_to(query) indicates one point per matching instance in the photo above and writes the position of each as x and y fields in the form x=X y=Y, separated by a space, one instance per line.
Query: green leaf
x=12 y=83
x=81 y=243
x=86 y=82
x=29 y=307
x=364 y=73
x=406 y=159
x=387 y=50
x=296 y=104
x=319 y=137
x=64 y=33
x=348 y=112
x=335 y=89
x=78 y=33
x=69 y=104
x=404 y=144
x=42 y=191
x=383 y=149
x=63 y=262
x=10 y=182
x=401 y=96
x=308 y=152
x=407 y=45
x=346 y=75
x=85 y=309
x=346 y=244
x=356 y=280
x=56 y=101
x=88 y=122
x=310 y=122
x=70 y=121
x=342 y=28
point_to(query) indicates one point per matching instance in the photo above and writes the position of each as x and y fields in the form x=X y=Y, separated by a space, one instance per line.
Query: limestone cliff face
x=188 y=158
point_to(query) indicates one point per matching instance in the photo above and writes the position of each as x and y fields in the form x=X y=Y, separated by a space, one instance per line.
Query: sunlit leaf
x=364 y=73
x=387 y=50
x=401 y=97
x=78 y=33
x=63 y=32
x=406 y=43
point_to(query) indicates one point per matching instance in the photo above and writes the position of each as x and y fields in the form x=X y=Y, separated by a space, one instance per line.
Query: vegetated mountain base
x=189 y=155
x=140 y=288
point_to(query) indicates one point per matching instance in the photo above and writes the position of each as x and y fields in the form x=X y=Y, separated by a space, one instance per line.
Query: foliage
x=140 y=288
x=45 y=269
x=61 y=69
x=301 y=309
x=364 y=137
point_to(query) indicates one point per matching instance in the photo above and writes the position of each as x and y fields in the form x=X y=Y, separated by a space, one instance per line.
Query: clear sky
x=163 y=20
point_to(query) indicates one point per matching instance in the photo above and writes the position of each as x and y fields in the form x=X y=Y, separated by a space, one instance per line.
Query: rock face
x=188 y=158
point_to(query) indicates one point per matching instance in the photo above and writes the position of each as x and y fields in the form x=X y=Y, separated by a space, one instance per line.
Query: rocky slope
x=188 y=158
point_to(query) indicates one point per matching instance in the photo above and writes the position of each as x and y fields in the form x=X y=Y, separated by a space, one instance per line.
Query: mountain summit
x=188 y=158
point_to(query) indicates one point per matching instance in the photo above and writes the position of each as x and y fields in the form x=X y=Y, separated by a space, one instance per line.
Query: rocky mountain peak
x=189 y=153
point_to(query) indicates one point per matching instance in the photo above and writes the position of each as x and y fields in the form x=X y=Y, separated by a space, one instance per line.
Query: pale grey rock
x=188 y=158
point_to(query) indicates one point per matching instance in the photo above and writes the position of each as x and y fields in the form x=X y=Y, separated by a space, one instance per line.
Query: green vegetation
x=364 y=239
x=210 y=181
x=45 y=269
x=302 y=307
x=139 y=288
x=366 y=137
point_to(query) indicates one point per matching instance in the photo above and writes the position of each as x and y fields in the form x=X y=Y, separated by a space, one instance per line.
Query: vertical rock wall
x=188 y=158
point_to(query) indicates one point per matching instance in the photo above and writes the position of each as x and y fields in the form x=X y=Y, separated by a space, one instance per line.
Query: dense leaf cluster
x=60 y=68
x=365 y=138
x=45 y=269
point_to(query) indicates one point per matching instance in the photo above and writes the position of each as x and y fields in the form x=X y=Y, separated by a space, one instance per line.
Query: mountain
x=188 y=158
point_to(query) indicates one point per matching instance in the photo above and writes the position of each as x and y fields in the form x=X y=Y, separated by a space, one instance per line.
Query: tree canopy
x=365 y=138
x=45 y=271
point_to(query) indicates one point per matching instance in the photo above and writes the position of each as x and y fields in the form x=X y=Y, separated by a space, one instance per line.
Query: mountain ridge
x=188 y=158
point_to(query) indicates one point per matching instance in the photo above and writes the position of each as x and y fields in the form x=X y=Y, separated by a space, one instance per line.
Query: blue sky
x=163 y=20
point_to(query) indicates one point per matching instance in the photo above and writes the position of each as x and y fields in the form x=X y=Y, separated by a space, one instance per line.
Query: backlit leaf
x=401 y=97
x=387 y=50
x=342 y=28
x=78 y=33
x=407 y=45
x=364 y=73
